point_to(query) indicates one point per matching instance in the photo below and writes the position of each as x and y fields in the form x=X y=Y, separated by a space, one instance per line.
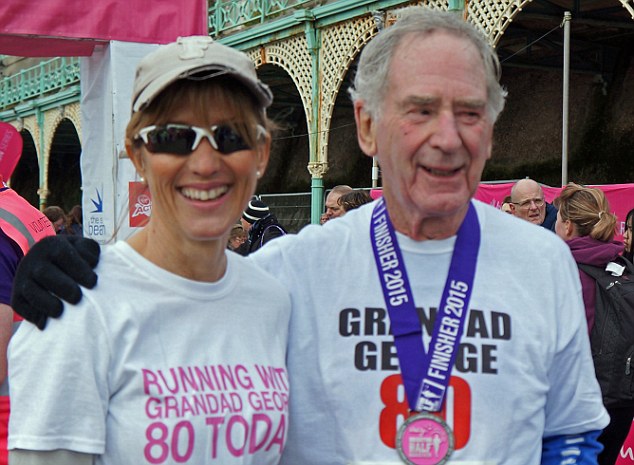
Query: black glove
x=53 y=269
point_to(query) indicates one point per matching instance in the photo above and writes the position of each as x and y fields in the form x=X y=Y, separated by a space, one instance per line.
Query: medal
x=424 y=439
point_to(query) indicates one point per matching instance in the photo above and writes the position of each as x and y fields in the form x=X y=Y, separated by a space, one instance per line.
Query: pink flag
x=10 y=149
x=73 y=27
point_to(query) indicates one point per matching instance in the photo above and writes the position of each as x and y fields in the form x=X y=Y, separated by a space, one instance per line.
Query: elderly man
x=527 y=203
x=448 y=348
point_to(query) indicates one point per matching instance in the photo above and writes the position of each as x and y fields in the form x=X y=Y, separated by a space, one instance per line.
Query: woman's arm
x=6 y=329
x=49 y=457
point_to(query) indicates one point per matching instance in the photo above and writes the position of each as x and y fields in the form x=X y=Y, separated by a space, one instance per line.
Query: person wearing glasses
x=528 y=203
x=166 y=361
x=444 y=349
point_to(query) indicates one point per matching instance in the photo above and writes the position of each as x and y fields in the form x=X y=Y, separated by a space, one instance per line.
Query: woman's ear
x=136 y=156
x=263 y=152
x=569 y=229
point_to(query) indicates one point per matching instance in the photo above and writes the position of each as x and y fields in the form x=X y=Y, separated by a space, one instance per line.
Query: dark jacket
x=261 y=232
x=551 y=217
x=594 y=252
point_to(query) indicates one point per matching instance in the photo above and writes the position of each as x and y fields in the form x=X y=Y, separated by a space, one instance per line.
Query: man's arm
x=50 y=272
x=573 y=449
x=51 y=457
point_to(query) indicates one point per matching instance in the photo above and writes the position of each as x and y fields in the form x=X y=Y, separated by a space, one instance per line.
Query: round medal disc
x=424 y=439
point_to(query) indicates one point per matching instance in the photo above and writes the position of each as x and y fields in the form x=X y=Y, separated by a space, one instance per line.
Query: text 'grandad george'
x=388 y=259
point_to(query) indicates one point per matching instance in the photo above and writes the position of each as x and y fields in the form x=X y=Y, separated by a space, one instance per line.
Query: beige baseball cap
x=193 y=57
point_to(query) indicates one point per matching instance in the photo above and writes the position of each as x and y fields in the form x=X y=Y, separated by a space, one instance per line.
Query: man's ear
x=366 y=129
x=489 y=147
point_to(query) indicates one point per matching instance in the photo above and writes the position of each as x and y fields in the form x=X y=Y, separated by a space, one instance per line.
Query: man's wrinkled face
x=433 y=134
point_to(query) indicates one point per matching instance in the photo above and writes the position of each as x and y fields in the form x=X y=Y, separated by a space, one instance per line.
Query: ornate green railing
x=225 y=15
x=46 y=77
x=58 y=73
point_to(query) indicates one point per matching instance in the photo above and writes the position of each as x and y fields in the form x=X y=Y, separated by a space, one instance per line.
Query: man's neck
x=422 y=228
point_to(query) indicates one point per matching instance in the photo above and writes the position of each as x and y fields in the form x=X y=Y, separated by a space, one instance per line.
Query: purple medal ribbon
x=425 y=375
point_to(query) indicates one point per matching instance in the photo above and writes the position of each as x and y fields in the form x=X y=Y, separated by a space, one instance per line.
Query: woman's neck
x=196 y=260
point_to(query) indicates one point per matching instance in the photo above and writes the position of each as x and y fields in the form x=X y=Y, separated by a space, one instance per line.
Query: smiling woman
x=172 y=298
x=201 y=164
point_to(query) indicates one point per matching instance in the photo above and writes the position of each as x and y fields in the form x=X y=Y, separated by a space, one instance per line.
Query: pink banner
x=620 y=196
x=10 y=149
x=626 y=456
x=73 y=27
x=16 y=45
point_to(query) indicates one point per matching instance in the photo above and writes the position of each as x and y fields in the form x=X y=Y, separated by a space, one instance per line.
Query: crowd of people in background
x=258 y=225
x=65 y=223
x=583 y=218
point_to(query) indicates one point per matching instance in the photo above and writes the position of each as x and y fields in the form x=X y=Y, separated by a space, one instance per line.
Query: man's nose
x=446 y=135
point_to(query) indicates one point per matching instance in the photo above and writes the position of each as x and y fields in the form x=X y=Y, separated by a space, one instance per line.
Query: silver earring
x=258 y=174
x=142 y=180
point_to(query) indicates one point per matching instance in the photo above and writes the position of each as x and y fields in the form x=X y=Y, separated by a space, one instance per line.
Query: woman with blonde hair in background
x=588 y=226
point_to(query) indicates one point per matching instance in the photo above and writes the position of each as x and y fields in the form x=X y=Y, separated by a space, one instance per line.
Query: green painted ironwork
x=456 y=5
x=324 y=15
x=317 y=199
x=313 y=37
x=31 y=83
x=225 y=15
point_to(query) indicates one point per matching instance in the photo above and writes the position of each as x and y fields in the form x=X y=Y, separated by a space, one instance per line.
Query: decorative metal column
x=316 y=167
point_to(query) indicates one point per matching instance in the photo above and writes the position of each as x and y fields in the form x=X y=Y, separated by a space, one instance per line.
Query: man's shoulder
x=315 y=242
x=510 y=232
x=550 y=217
x=307 y=239
x=244 y=265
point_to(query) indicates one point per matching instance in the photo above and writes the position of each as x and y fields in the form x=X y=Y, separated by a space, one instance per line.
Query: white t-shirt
x=523 y=370
x=153 y=368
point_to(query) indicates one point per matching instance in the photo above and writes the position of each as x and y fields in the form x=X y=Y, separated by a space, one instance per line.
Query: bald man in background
x=528 y=203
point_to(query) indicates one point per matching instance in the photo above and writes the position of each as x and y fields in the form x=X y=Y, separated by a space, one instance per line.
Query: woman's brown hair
x=589 y=210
